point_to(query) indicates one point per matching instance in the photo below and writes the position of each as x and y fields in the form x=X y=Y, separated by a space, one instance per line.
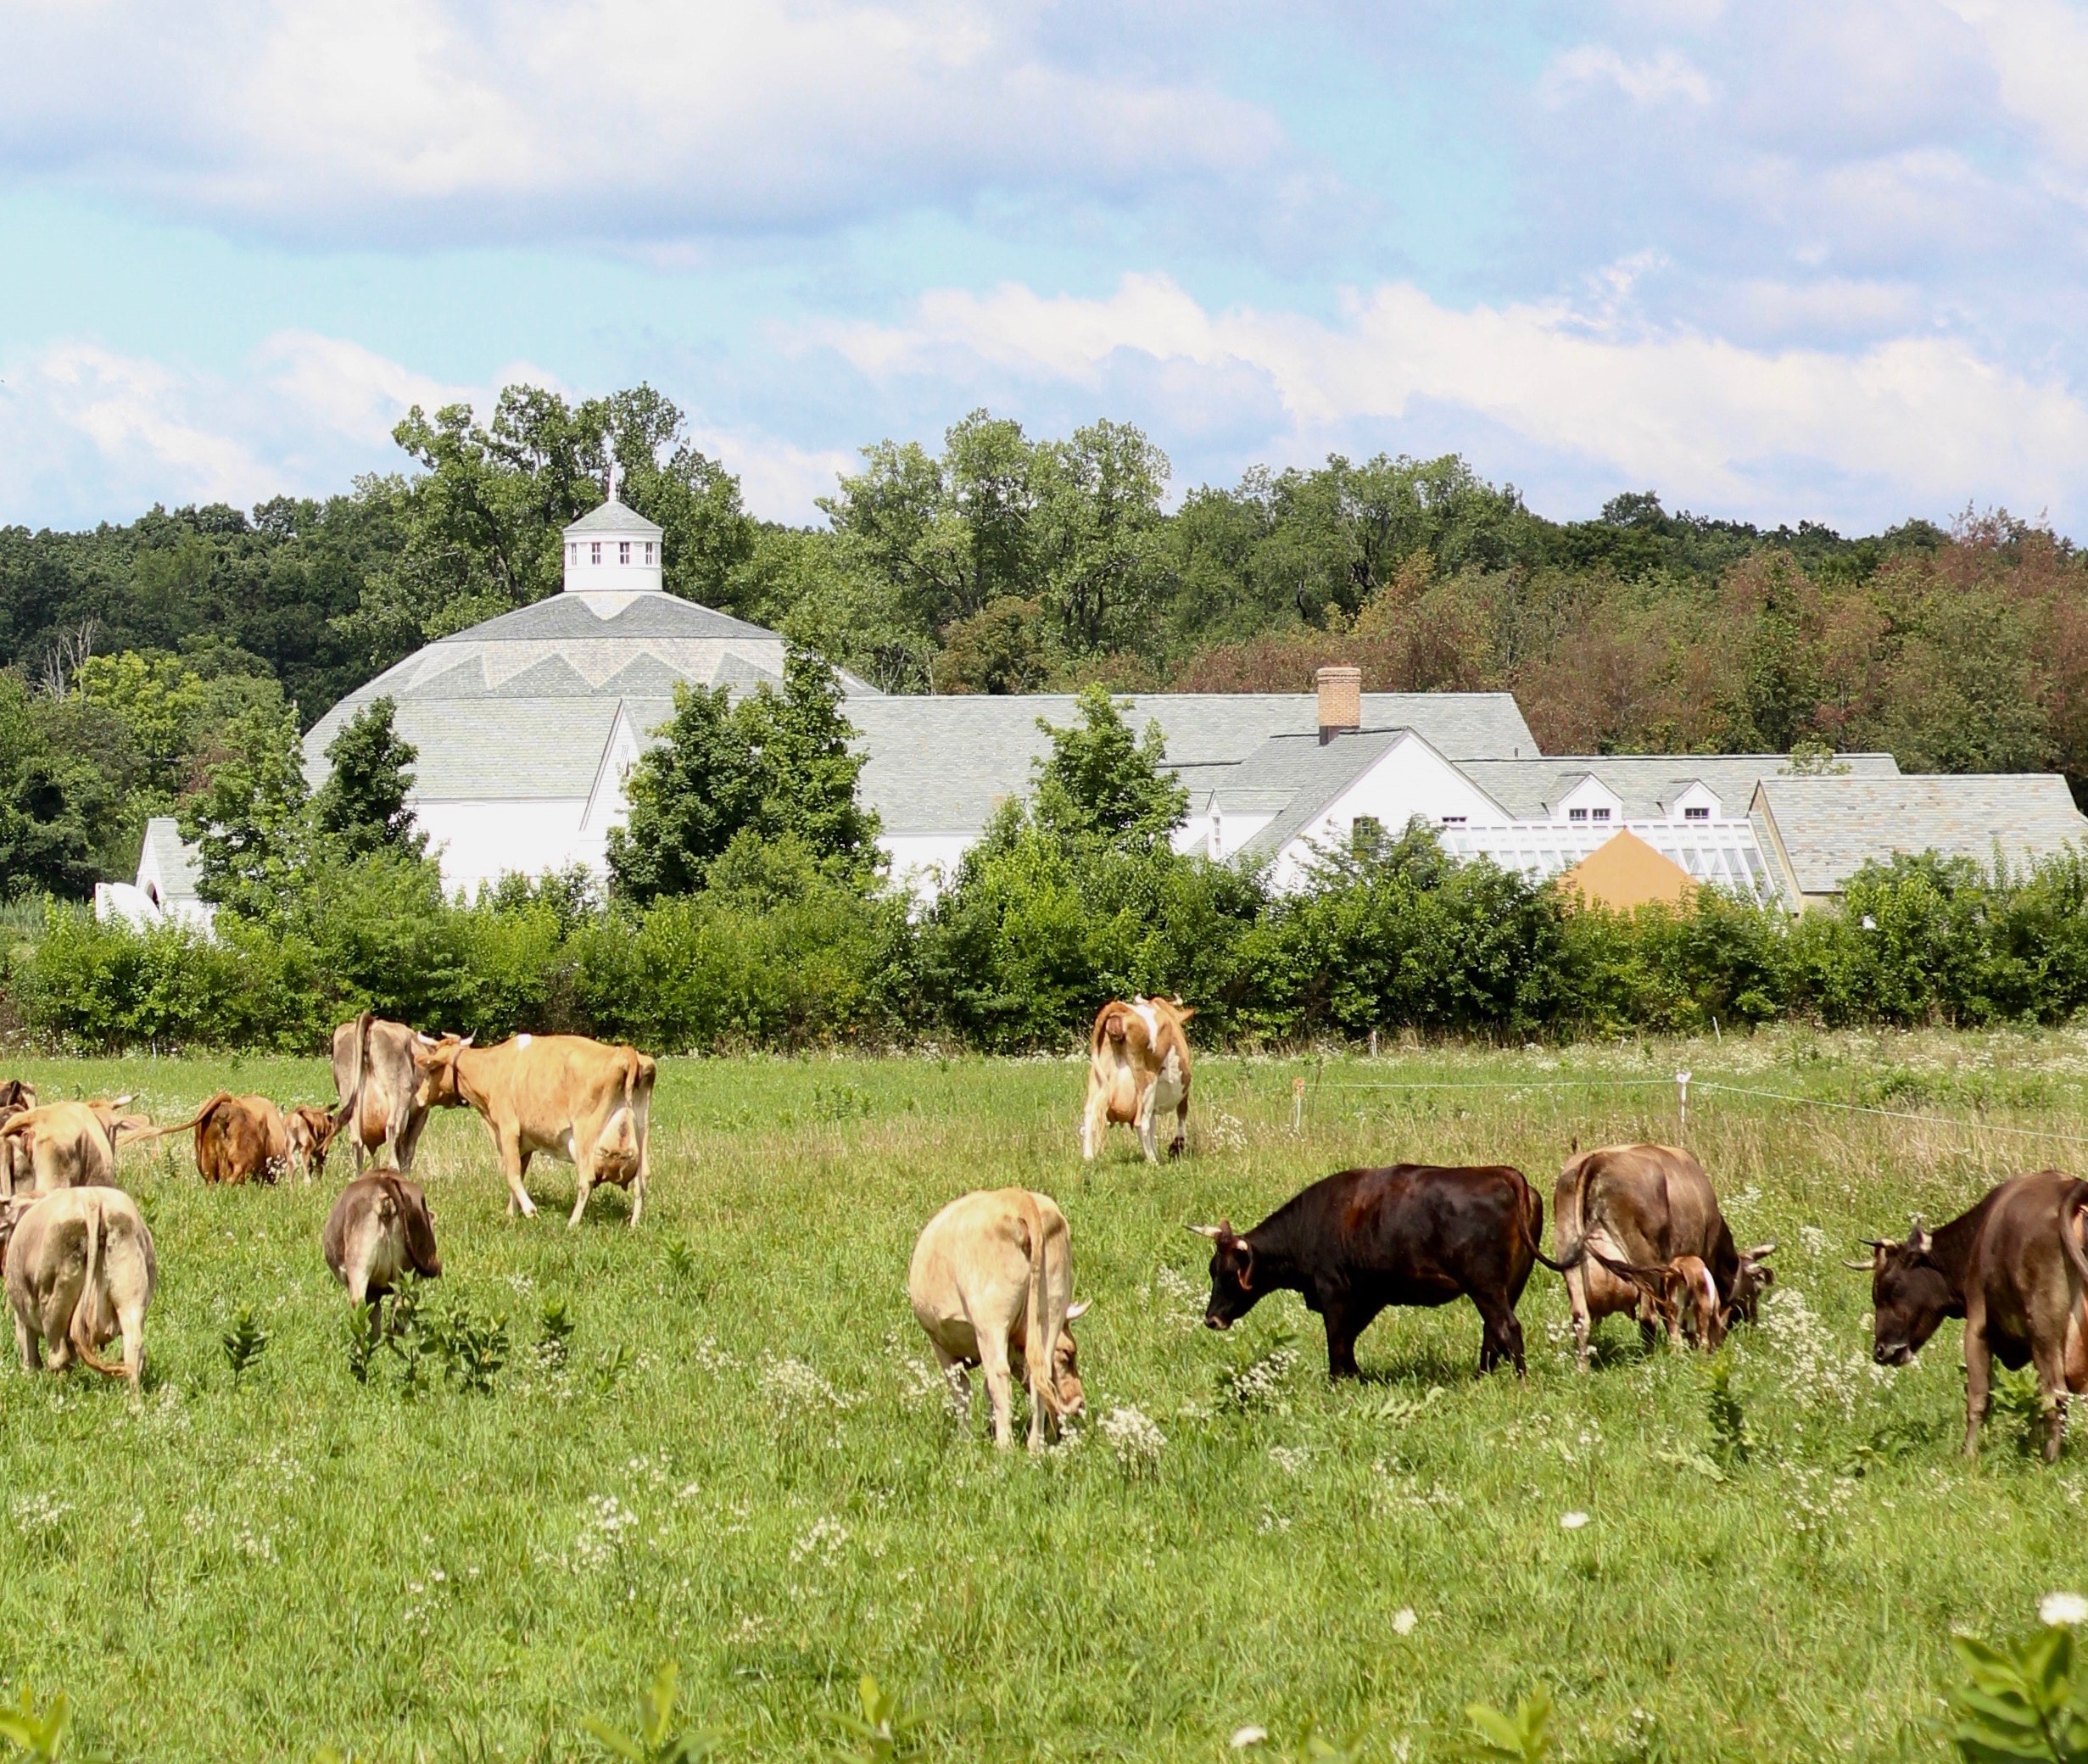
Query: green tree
x=1099 y=783
x=810 y=772
x=251 y=825
x=1100 y=529
x=362 y=804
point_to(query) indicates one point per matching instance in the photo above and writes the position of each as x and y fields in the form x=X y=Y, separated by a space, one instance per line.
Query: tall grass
x=737 y=1456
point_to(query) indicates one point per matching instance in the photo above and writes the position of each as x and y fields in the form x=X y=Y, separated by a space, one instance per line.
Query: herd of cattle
x=1637 y=1229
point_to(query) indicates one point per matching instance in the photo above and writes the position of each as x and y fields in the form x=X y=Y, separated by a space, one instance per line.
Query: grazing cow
x=15 y=1096
x=2015 y=1269
x=71 y=1145
x=1360 y=1240
x=577 y=1099
x=380 y=1228
x=1643 y=1206
x=80 y=1272
x=382 y=1075
x=311 y=1132
x=991 y=1282
x=241 y=1139
x=1137 y=1070
x=1682 y=1295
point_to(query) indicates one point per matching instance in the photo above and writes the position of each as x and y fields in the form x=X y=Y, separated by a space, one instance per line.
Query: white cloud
x=1922 y=419
x=1659 y=78
x=777 y=481
x=2039 y=49
x=579 y=118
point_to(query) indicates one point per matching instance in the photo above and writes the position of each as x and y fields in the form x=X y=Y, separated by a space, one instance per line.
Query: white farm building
x=526 y=724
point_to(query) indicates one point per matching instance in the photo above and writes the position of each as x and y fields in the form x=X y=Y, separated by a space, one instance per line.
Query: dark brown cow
x=1360 y=1240
x=1643 y=1205
x=2015 y=1269
x=382 y=1075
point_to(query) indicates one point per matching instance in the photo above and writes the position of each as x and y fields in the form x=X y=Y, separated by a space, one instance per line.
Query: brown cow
x=380 y=1228
x=241 y=1139
x=990 y=1281
x=311 y=1131
x=1643 y=1206
x=80 y=1271
x=1137 y=1070
x=1684 y=1296
x=382 y=1076
x=71 y=1145
x=15 y=1096
x=577 y=1099
x=2015 y=1269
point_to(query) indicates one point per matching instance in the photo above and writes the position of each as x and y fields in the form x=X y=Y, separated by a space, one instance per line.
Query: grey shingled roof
x=1647 y=784
x=521 y=707
x=177 y=864
x=943 y=765
x=1827 y=828
x=612 y=517
x=1313 y=773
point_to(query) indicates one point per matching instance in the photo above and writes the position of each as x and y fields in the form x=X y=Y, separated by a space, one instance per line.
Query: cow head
x=1068 y=1395
x=419 y=1224
x=1232 y=1274
x=435 y=1063
x=1752 y=1278
x=1909 y=1297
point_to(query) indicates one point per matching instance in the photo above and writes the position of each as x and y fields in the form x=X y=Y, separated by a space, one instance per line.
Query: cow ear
x=1920 y=1240
x=1078 y=1310
x=121 y=1101
x=1247 y=1266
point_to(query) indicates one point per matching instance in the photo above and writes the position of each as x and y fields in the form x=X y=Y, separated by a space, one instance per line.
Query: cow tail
x=1042 y=1389
x=1532 y=1215
x=343 y=1115
x=2076 y=1203
x=1577 y=1251
x=195 y=1120
x=78 y=1331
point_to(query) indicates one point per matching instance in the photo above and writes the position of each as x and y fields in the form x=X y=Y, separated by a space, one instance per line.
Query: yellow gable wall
x=1628 y=872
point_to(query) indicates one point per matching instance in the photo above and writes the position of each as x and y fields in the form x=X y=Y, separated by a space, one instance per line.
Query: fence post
x=1298 y=1105
x=1682 y=1086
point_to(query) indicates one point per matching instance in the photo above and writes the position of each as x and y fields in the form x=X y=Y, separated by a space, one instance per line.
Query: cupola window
x=594 y=551
x=648 y=550
x=623 y=551
x=1697 y=812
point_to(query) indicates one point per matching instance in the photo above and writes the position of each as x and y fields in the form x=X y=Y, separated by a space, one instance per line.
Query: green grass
x=769 y=1489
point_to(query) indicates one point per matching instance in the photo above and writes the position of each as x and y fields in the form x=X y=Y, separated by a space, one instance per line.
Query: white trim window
x=623 y=551
x=594 y=551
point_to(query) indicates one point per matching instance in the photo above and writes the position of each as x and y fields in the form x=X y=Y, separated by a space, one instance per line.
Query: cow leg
x=1342 y=1332
x=515 y=1165
x=1499 y=1338
x=1181 y=1127
x=645 y=1172
x=1149 y=1128
x=1979 y=1372
x=133 y=1320
x=1000 y=1388
x=27 y=1344
x=584 y=1186
x=2051 y=1393
x=1577 y=1308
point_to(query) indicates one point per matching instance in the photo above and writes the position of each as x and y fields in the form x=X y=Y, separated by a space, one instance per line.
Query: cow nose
x=1212 y=1320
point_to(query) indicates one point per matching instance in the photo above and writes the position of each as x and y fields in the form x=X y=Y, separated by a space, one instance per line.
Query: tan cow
x=1137 y=1070
x=576 y=1099
x=15 y=1095
x=380 y=1228
x=80 y=1272
x=991 y=1279
x=1643 y=1206
x=1683 y=1296
x=382 y=1076
x=311 y=1132
x=71 y=1145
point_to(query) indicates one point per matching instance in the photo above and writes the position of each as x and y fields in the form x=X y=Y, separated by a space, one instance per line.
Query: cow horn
x=1078 y=1308
x=1761 y=1250
x=426 y=1038
x=1860 y=1267
x=1213 y=1232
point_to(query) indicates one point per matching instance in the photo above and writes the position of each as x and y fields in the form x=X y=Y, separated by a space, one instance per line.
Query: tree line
x=137 y=661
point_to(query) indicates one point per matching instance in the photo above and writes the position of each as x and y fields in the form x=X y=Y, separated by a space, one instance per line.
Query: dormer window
x=623 y=551
x=1600 y=814
x=1577 y=814
x=594 y=551
x=1697 y=812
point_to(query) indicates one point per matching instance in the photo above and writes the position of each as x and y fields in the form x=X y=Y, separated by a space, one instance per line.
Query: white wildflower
x=823 y=1542
x=1404 y=1620
x=37 y=1514
x=1572 y=1522
x=1135 y=1439
x=1244 y=1737
x=2063 y=1609
x=1291 y=1460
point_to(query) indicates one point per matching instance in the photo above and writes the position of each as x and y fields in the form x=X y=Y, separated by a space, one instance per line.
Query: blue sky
x=1781 y=261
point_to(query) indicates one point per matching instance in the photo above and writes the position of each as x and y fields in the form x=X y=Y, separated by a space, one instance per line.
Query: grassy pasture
x=769 y=1489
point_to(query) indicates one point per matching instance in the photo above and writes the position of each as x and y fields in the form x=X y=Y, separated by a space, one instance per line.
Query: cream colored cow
x=80 y=1272
x=991 y=1281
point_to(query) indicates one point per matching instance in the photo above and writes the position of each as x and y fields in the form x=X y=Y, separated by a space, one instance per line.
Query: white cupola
x=612 y=553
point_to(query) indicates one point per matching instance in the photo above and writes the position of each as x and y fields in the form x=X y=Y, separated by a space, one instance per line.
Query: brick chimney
x=1341 y=701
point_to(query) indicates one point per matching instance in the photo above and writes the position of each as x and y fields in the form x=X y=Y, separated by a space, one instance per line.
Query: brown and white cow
x=573 y=1098
x=80 y=1272
x=382 y=1075
x=991 y=1282
x=1137 y=1070
x=311 y=1132
x=241 y=1139
x=1683 y=1296
x=379 y=1229
x=15 y=1096
x=1643 y=1206
x=71 y=1145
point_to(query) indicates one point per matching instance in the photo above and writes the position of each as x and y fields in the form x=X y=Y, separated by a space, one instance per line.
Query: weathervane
x=613 y=477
